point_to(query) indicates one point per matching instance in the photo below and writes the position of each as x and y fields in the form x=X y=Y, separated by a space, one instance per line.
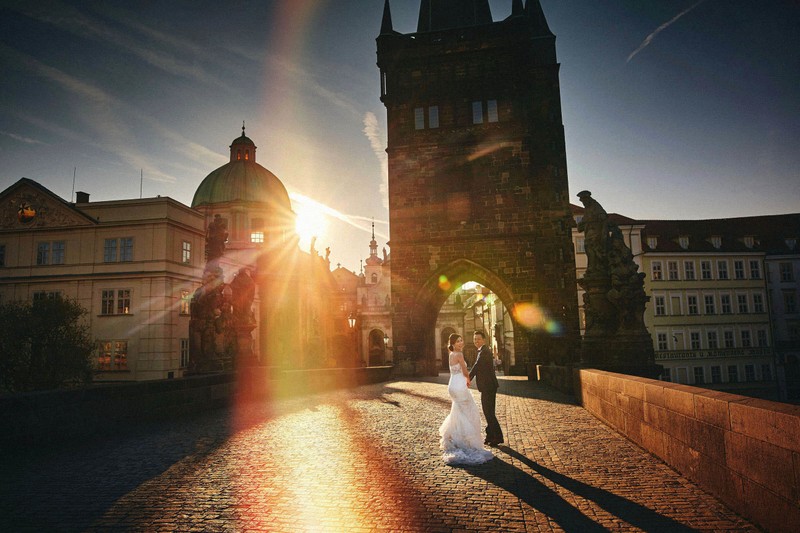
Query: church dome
x=242 y=179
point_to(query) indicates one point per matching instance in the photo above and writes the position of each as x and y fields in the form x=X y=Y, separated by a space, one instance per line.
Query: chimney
x=81 y=197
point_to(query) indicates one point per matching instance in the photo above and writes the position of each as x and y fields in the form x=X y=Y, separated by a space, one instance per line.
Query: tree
x=44 y=345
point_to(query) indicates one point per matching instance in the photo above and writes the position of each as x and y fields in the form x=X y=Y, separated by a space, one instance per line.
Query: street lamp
x=351 y=321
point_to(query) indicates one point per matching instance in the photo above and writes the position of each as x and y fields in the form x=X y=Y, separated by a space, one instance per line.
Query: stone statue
x=216 y=238
x=243 y=292
x=594 y=226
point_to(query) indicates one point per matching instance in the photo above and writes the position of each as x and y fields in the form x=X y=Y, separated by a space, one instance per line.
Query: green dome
x=244 y=181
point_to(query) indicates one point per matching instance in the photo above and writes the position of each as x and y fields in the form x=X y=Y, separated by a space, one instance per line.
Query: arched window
x=238 y=155
x=374 y=278
x=247 y=155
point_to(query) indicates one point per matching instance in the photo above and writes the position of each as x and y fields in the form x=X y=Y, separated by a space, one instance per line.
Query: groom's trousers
x=488 y=403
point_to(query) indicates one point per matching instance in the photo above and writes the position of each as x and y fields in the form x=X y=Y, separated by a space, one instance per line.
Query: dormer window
x=716 y=241
x=683 y=240
x=749 y=241
x=791 y=243
x=652 y=242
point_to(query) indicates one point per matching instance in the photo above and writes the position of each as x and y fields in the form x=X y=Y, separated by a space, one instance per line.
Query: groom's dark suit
x=483 y=373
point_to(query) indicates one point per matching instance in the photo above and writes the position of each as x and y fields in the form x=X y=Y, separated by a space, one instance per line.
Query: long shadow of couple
x=536 y=494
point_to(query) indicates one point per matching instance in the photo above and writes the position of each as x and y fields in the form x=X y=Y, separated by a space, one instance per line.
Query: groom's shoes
x=493 y=443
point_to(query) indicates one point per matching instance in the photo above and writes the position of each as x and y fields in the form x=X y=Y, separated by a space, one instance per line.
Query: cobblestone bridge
x=356 y=460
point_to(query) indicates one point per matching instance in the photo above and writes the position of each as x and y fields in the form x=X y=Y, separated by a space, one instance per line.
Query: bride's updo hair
x=451 y=341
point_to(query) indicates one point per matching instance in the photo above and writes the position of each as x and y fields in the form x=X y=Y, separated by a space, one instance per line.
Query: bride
x=461 y=442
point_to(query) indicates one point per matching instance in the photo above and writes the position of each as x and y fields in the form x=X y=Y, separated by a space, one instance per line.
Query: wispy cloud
x=661 y=28
x=21 y=138
x=356 y=221
x=67 y=18
x=375 y=136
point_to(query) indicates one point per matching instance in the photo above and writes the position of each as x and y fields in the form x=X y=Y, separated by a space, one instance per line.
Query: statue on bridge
x=615 y=336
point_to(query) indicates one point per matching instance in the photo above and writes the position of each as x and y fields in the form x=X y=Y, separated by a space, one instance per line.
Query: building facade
x=477 y=172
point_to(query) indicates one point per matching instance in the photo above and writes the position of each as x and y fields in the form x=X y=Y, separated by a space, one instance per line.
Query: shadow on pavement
x=538 y=496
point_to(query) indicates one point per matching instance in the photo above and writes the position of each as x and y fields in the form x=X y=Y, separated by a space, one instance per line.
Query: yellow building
x=133 y=264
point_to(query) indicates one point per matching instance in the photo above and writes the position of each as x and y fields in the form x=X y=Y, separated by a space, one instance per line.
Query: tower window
x=433 y=116
x=247 y=155
x=238 y=155
x=477 y=112
x=419 y=118
x=491 y=110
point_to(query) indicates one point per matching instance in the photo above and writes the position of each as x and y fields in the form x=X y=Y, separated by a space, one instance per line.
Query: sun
x=310 y=223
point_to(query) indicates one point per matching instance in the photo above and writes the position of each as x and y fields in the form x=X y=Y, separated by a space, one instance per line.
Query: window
x=750 y=372
x=722 y=270
x=738 y=269
x=791 y=243
x=657 y=273
x=374 y=278
x=672 y=270
x=755 y=270
x=109 y=250
x=733 y=373
x=741 y=303
x=716 y=242
x=688 y=269
x=691 y=302
x=491 y=110
x=709 y=304
x=747 y=341
x=43 y=253
x=666 y=375
x=662 y=341
x=786 y=271
x=761 y=338
x=477 y=112
x=660 y=306
x=705 y=269
x=257 y=237
x=580 y=245
x=727 y=339
x=2 y=255
x=716 y=374
x=789 y=302
x=115 y=302
x=725 y=304
x=125 y=247
x=186 y=301
x=758 y=303
x=433 y=116
x=749 y=241
x=184 y=353
x=766 y=372
x=419 y=118
x=683 y=241
x=46 y=295
x=694 y=340
x=711 y=338
x=112 y=355
x=58 y=252
x=699 y=375
x=186 y=252
x=652 y=242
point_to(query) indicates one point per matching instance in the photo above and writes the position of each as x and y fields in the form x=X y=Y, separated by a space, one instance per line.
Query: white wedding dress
x=462 y=442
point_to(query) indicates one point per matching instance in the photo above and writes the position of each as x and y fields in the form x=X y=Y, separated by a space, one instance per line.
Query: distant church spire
x=386 y=23
x=437 y=15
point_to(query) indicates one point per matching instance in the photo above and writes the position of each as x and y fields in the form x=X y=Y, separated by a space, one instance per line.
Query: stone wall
x=55 y=416
x=743 y=450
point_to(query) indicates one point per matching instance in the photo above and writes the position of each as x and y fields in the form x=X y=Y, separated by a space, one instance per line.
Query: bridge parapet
x=745 y=451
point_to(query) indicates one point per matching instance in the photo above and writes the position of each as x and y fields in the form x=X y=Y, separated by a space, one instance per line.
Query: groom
x=483 y=373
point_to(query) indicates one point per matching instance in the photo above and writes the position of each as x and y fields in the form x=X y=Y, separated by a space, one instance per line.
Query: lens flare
x=444 y=283
x=554 y=327
x=528 y=315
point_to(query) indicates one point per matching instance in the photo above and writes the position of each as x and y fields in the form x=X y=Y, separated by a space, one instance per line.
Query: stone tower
x=477 y=175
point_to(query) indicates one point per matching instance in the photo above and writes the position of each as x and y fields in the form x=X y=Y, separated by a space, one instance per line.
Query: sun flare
x=310 y=223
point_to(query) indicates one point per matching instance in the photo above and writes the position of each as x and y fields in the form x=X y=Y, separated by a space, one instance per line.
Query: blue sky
x=672 y=108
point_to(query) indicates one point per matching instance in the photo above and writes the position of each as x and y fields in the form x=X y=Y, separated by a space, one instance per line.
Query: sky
x=671 y=108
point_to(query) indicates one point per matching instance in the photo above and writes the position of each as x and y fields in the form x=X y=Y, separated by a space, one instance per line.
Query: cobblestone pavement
x=356 y=460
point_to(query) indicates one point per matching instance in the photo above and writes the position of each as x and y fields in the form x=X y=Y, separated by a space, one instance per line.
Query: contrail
x=658 y=30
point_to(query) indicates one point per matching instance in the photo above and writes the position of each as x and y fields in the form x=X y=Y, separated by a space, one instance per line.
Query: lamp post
x=351 y=321
x=385 y=346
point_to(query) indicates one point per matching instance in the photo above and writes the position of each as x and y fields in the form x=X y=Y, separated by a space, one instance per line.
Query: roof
x=244 y=181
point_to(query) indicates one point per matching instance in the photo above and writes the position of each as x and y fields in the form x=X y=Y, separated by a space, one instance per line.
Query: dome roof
x=242 y=179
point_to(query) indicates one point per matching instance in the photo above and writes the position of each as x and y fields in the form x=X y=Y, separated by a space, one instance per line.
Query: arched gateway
x=477 y=174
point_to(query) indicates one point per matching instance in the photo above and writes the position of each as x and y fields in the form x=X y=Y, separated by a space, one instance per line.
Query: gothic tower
x=477 y=174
